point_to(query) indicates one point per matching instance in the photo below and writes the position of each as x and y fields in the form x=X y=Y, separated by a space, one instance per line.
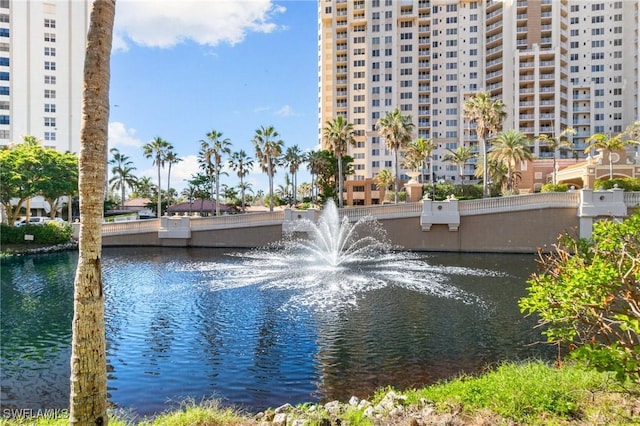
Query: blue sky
x=180 y=69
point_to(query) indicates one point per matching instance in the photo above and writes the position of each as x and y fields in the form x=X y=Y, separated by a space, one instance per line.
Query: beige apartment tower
x=554 y=63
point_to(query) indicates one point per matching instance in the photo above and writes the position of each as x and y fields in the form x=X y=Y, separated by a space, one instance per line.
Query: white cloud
x=285 y=111
x=120 y=136
x=166 y=23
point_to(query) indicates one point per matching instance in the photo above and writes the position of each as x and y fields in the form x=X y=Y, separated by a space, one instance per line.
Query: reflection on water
x=254 y=332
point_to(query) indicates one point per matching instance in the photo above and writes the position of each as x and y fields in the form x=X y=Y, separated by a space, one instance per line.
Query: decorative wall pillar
x=440 y=213
x=604 y=204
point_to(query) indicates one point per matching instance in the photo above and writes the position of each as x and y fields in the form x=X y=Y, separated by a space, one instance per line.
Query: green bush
x=390 y=196
x=49 y=233
x=628 y=184
x=586 y=296
x=558 y=187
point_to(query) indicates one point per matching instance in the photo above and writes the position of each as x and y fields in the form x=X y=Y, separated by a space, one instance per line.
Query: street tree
x=158 y=149
x=339 y=134
x=397 y=130
x=487 y=114
x=268 y=151
x=213 y=150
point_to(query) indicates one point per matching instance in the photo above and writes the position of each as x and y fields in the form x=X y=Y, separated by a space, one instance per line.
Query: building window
x=50 y=136
x=4 y=119
x=4 y=90
x=4 y=32
x=50 y=37
x=49 y=23
x=49 y=51
x=4 y=76
x=50 y=94
x=49 y=79
x=49 y=107
x=50 y=122
x=49 y=66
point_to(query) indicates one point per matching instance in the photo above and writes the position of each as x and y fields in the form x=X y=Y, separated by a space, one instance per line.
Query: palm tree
x=122 y=172
x=488 y=115
x=316 y=164
x=157 y=149
x=88 y=396
x=383 y=180
x=459 y=157
x=606 y=142
x=143 y=188
x=339 y=134
x=293 y=158
x=397 y=131
x=509 y=148
x=242 y=164
x=268 y=151
x=556 y=144
x=416 y=154
x=213 y=149
x=170 y=158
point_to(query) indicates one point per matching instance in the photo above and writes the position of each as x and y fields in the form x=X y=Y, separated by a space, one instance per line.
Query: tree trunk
x=340 y=201
x=397 y=170
x=88 y=400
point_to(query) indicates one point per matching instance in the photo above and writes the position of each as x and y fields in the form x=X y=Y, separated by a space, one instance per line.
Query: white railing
x=237 y=220
x=632 y=199
x=131 y=227
x=385 y=211
x=519 y=203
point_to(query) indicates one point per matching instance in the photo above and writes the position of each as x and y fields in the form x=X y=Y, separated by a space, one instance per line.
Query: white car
x=38 y=220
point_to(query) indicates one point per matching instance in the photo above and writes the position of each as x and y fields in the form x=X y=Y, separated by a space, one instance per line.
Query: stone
x=286 y=408
x=280 y=419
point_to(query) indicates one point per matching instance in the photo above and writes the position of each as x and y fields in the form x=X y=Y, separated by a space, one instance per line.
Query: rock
x=354 y=401
x=286 y=408
x=333 y=408
x=280 y=419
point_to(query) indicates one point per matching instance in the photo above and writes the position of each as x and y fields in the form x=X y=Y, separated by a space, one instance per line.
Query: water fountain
x=334 y=262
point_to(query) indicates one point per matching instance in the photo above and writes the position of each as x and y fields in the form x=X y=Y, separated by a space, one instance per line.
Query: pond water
x=257 y=329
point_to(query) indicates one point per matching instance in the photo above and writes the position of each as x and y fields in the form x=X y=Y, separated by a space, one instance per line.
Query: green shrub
x=391 y=196
x=49 y=233
x=558 y=187
x=587 y=297
x=628 y=184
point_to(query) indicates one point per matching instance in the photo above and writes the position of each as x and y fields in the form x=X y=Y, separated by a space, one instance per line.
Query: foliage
x=587 y=296
x=523 y=393
x=461 y=192
x=268 y=151
x=487 y=114
x=396 y=129
x=28 y=169
x=48 y=233
x=339 y=134
x=509 y=149
x=626 y=183
x=390 y=196
x=550 y=187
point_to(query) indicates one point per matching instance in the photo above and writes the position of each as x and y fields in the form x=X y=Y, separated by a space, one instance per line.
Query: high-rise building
x=42 y=49
x=554 y=63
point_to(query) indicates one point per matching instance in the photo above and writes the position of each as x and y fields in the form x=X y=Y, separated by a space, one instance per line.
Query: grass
x=531 y=393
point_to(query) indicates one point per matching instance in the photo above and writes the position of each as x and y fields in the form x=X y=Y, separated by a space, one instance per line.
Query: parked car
x=38 y=220
x=20 y=221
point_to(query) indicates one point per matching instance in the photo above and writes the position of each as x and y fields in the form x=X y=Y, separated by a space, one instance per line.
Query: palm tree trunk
x=269 y=172
x=340 y=201
x=610 y=166
x=88 y=396
x=395 y=154
x=217 y=192
x=169 y=185
x=159 y=205
x=485 y=172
